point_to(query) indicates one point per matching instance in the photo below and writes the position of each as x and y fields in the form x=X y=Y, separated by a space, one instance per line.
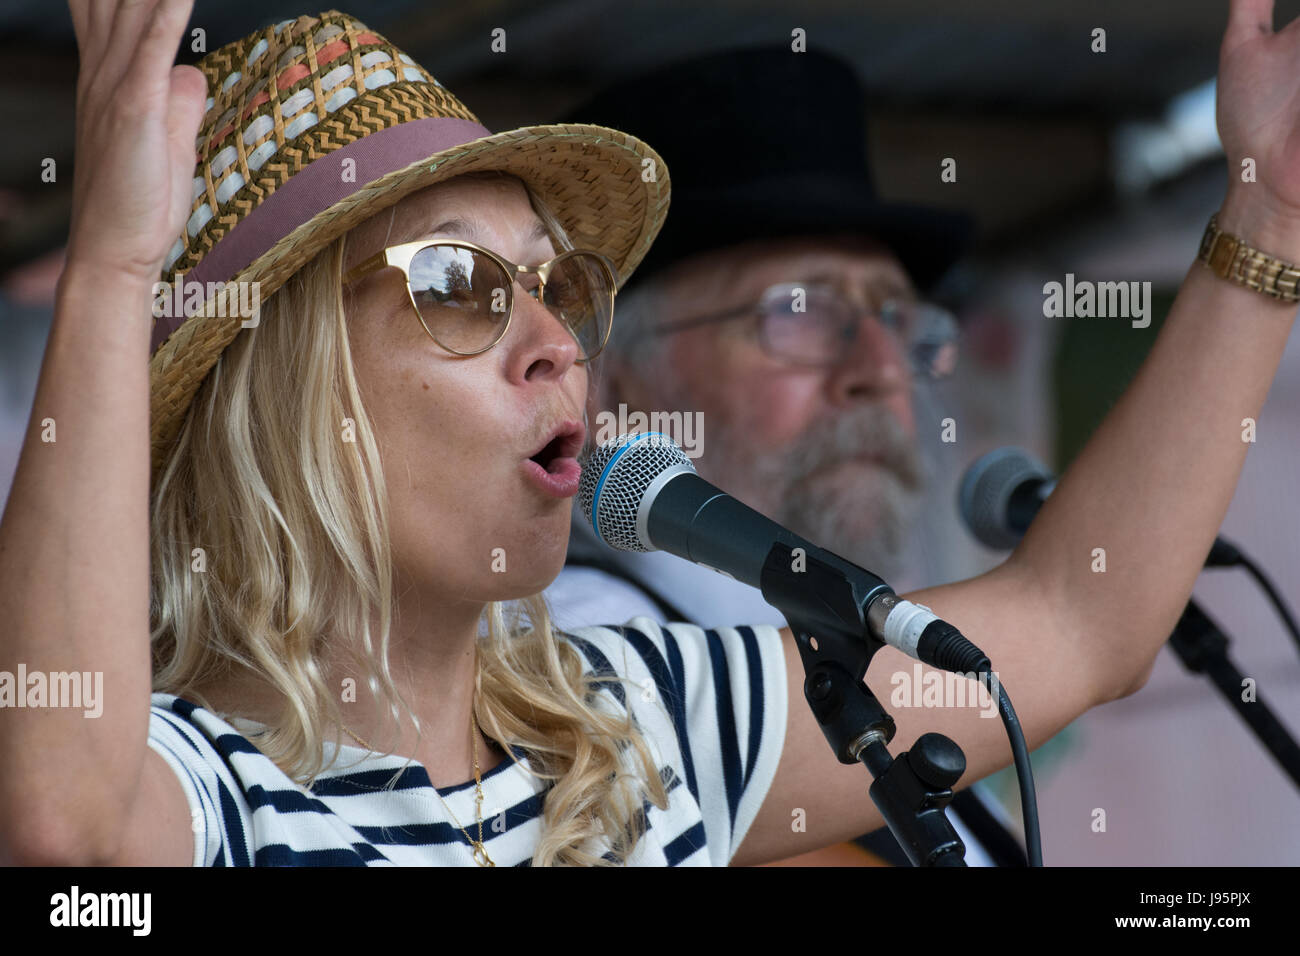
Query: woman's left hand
x=1258 y=114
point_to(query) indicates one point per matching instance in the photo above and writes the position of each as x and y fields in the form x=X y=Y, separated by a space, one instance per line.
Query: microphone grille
x=615 y=478
x=986 y=489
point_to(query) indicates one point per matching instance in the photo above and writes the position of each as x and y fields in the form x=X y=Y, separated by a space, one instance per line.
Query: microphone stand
x=1203 y=648
x=825 y=600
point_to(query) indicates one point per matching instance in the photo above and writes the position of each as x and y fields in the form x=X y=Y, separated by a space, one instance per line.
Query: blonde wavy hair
x=294 y=527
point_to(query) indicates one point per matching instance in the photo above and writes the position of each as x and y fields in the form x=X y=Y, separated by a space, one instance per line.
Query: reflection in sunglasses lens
x=462 y=295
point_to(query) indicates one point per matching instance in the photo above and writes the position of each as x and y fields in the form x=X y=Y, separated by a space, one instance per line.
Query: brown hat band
x=317 y=187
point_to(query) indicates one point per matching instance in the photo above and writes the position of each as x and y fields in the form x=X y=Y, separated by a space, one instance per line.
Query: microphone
x=1001 y=492
x=641 y=493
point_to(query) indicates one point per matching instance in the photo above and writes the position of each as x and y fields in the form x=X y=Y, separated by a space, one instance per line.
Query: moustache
x=869 y=432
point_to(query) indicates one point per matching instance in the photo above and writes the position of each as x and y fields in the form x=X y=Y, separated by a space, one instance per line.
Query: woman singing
x=311 y=512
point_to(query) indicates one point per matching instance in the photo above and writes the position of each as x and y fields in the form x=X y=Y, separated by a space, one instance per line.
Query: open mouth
x=553 y=469
x=564 y=444
x=548 y=455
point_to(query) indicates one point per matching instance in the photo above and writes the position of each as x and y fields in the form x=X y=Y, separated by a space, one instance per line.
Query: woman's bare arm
x=74 y=567
x=74 y=538
x=1150 y=488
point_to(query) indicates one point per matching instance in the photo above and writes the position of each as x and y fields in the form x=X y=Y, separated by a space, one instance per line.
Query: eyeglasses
x=813 y=324
x=463 y=294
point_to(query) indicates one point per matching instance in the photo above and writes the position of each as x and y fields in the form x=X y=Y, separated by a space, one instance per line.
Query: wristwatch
x=1229 y=257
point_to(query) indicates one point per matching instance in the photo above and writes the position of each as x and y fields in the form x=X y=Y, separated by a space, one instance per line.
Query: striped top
x=711 y=704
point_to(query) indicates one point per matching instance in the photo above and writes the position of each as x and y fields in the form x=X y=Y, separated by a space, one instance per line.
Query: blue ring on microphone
x=595 y=498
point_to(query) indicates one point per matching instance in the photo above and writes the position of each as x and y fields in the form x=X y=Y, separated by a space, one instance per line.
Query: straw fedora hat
x=315 y=124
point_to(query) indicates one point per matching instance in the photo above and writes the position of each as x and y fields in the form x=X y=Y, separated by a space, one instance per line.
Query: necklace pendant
x=480 y=855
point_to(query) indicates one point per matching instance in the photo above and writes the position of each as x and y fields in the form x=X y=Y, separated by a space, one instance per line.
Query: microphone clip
x=829 y=598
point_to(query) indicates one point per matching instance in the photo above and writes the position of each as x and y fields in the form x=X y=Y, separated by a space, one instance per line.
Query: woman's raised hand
x=1258 y=113
x=74 y=537
x=137 y=120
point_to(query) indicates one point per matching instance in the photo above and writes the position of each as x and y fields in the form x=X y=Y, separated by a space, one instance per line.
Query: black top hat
x=767 y=142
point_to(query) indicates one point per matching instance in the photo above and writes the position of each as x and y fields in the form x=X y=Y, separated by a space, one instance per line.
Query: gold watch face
x=1256 y=270
x=1222 y=252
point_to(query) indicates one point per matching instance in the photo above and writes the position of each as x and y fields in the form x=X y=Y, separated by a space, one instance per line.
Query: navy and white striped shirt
x=711 y=704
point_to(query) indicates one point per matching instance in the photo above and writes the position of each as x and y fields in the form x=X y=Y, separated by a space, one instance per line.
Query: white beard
x=861 y=510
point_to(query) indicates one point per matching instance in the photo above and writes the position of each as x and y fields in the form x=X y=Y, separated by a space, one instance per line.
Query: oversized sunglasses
x=463 y=294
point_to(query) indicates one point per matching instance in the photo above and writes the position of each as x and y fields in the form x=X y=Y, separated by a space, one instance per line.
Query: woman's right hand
x=137 y=120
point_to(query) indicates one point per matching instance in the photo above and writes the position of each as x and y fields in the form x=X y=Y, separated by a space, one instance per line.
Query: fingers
x=189 y=92
x=138 y=38
x=123 y=50
x=157 y=50
x=99 y=16
x=80 y=27
x=77 y=10
x=1247 y=20
x=90 y=34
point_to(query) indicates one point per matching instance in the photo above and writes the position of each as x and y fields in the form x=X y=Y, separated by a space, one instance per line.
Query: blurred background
x=1102 y=164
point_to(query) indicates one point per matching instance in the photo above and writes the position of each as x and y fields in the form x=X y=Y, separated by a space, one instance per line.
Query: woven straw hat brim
x=589 y=176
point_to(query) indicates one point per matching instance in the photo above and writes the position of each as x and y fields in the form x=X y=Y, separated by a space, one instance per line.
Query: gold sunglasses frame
x=402 y=255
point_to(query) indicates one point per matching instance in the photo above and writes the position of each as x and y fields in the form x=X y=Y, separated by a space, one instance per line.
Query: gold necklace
x=480 y=851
